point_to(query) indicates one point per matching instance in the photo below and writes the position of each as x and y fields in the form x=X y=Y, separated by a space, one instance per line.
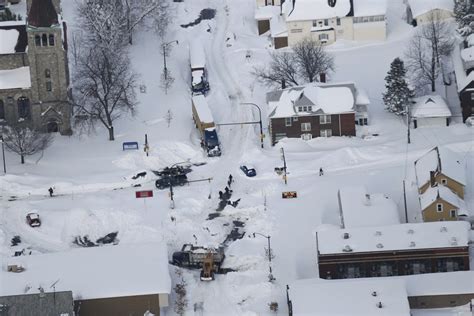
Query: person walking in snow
x=50 y=190
x=220 y=195
x=321 y=172
x=227 y=190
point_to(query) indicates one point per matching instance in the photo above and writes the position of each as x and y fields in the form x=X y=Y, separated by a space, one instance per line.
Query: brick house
x=315 y=110
x=393 y=250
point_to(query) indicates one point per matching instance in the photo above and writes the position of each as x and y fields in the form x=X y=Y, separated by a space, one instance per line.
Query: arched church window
x=23 y=107
x=2 y=110
x=44 y=40
x=37 y=40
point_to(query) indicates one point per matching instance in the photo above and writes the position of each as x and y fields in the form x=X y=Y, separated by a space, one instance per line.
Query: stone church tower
x=47 y=56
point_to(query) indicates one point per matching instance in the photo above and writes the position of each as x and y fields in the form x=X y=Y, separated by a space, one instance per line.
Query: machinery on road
x=195 y=257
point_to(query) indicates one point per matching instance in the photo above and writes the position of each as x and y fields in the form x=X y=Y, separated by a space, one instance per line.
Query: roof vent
x=346 y=236
x=412 y=244
x=378 y=233
x=411 y=231
x=443 y=229
x=367 y=200
x=379 y=305
x=454 y=241
x=347 y=248
x=379 y=245
x=374 y=293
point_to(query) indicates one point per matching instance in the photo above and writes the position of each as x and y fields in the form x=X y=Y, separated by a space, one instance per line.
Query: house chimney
x=432 y=179
x=322 y=77
x=367 y=199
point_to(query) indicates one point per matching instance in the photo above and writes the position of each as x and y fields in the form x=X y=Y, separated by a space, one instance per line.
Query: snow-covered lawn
x=92 y=176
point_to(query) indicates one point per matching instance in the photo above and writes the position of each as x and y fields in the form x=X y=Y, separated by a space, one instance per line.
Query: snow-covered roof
x=17 y=78
x=197 y=56
x=467 y=54
x=202 y=109
x=324 y=99
x=432 y=194
x=430 y=106
x=318 y=297
x=361 y=209
x=8 y=41
x=370 y=7
x=454 y=283
x=452 y=165
x=266 y=12
x=470 y=40
x=419 y=7
x=315 y=9
x=91 y=273
x=462 y=79
x=394 y=237
x=278 y=26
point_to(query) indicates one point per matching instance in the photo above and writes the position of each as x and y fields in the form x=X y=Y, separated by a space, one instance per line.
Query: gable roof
x=433 y=193
x=419 y=7
x=323 y=98
x=430 y=106
x=13 y=37
x=451 y=165
x=42 y=14
x=301 y=10
x=462 y=78
x=52 y=303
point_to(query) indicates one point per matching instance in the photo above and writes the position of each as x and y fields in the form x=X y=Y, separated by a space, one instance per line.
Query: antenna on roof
x=53 y=286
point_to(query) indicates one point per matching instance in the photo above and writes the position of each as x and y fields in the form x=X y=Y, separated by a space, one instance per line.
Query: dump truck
x=204 y=121
x=197 y=58
x=195 y=256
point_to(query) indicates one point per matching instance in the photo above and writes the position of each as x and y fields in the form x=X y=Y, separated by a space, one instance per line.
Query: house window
x=49 y=86
x=325 y=119
x=472 y=95
x=51 y=39
x=439 y=207
x=453 y=213
x=338 y=21
x=47 y=73
x=315 y=23
x=23 y=107
x=287 y=121
x=44 y=40
x=2 y=110
x=326 y=22
x=305 y=127
x=306 y=136
x=310 y=108
x=444 y=181
x=37 y=40
x=326 y=133
x=323 y=37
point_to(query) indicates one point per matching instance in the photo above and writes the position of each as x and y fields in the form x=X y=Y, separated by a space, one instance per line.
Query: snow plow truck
x=205 y=123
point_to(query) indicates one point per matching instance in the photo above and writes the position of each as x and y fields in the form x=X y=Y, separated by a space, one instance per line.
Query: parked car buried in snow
x=33 y=219
x=248 y=170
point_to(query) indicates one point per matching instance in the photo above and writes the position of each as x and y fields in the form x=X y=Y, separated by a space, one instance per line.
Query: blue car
x=249 y=172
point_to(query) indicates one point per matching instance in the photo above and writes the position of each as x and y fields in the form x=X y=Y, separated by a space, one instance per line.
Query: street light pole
x=171 y=181
x=270 y=276
x=259 y=120
x=284 y=164
x=3 y=154
x=164 y=56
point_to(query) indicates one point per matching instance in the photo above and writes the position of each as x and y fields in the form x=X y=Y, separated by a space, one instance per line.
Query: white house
x=328 y=20
x=430 y=110
x=422 y=11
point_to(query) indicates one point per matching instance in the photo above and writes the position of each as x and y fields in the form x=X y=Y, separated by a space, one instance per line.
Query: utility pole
x=147 y=148
x=164 y=46
x=284 y=164
x=408 y=124
x=3 y=154
x=405 y=202
x=270 y=276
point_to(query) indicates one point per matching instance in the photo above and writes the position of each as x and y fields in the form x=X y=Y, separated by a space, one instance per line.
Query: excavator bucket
x=207 y=272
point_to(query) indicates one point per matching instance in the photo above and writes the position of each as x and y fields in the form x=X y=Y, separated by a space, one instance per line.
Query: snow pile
x=370 y=7
x=315 y=9
x=91 y=273
x=17 y=78
x=394 y=237
x=368 y=297
x=8 y=40
x=419 y=7
x=430 y=106
x=359 y=209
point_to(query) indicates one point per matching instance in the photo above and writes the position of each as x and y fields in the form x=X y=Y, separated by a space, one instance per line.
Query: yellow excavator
x=207 y=272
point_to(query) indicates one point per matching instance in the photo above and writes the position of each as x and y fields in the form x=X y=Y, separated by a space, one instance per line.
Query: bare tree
x=281 y=71
x=169 y=117
x=25 y=141
x=167 y=80
x=312 y=59
x=105 y=87
x=137 y=12
x=424 y=55
x=304 y=63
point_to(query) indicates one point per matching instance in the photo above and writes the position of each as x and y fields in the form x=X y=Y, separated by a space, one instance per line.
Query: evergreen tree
x=464 y=15
x=397 y=94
